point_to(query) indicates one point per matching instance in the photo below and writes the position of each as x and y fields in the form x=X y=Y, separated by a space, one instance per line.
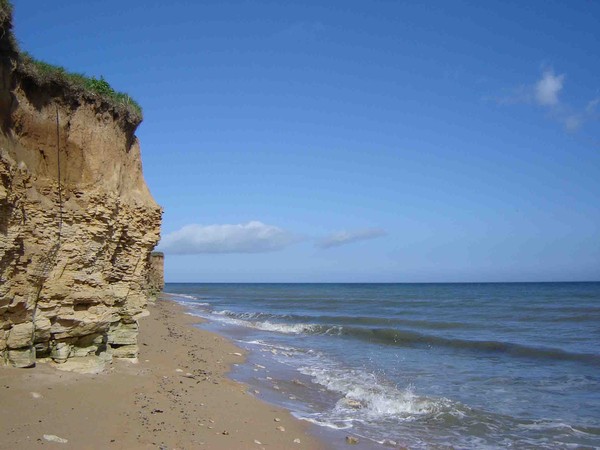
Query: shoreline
x=177 y=395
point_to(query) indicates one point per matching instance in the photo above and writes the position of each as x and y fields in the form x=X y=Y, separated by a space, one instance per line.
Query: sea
x=419 y=366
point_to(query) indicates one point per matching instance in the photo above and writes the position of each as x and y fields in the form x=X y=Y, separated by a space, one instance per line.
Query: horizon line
x=377 y=282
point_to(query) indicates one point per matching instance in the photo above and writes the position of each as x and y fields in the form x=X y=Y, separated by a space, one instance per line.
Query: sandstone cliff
x=77 y=222
x=156 y=273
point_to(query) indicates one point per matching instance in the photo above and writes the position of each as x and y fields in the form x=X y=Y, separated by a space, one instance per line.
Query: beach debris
x=297 y=441
x=225 y=433
x=259 y=366
x=236 y=354
x=257 y=442
x=277 y=419
x=189 y=375
x=36 y=395
x=256 y=391
x=280 y=428
x=54 y=438
x=350 y=402
x=178 y=370
x=291 y=397
x=277 y=388
x=351 y=440
x=157 y=411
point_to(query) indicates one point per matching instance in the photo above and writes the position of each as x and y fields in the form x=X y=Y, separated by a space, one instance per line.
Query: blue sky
x=380 y=141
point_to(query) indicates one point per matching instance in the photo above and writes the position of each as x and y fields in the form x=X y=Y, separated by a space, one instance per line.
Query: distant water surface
x=482 y=365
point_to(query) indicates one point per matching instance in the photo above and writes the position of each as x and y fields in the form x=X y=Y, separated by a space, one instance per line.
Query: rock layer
x=77 y=224
x=156 y=275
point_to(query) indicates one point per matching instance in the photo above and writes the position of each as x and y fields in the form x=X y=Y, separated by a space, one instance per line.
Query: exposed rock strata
x=156 y=275
x=77 y=224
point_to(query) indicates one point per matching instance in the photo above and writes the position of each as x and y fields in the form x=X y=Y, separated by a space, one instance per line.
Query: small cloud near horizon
x=251 y=237
x=348 y=237
x=548 y=87
x=545 y=93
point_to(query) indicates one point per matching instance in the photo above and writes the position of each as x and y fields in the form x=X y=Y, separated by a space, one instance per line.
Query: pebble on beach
x=54 y=438
x=351 y=440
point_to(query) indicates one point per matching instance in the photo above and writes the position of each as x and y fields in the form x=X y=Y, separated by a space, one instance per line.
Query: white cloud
x=545 y=93
x=548 y=88
x=591 y=106
x=347 y=237
x=251 y=237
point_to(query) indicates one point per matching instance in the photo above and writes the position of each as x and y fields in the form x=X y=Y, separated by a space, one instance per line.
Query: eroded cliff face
x=77 y=225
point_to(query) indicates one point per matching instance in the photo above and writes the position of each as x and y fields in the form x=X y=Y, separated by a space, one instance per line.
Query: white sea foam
x=324 y=423
x=365 y=397
x=232 y=318
x=190 y=297
x=265 y=344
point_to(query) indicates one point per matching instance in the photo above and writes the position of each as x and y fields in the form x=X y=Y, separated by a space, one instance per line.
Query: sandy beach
x=177 y=396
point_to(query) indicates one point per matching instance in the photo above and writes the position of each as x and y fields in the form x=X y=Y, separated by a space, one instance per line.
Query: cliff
x=156 y=273
x=77 y=221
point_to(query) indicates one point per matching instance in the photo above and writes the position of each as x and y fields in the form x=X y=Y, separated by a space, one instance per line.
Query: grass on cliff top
x=5 y=10
x=45 y=73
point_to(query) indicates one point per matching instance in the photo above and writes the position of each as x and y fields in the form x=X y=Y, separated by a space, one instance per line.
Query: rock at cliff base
x=20 y=335
x=85 y=365
x=125 y=351
x=22 y=357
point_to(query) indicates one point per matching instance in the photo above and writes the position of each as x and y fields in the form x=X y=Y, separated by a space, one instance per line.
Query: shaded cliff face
x=77 y=225
x=156 y=273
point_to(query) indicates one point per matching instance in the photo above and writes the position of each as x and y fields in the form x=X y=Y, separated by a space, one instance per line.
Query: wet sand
x=176 y=397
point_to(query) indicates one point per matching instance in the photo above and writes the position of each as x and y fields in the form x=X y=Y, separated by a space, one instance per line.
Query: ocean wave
x=398 y=337
x=340 y=321
x=174 y=294
x=365 y=397
x=266 y=325
x=408 y=338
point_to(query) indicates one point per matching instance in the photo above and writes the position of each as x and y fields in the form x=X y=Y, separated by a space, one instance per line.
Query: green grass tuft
x=6 y=9
x=45 y=73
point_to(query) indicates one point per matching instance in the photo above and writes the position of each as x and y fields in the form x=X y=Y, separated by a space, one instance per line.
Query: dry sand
x=176 y=397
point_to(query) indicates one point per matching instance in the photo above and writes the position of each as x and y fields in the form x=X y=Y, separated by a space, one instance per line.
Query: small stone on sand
x=257 y=442
x=277 y=419
x=280 y=428
x=178 y=370
x=296 y=441
x=54 y=438
x=36 y=395
x=351 y=440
